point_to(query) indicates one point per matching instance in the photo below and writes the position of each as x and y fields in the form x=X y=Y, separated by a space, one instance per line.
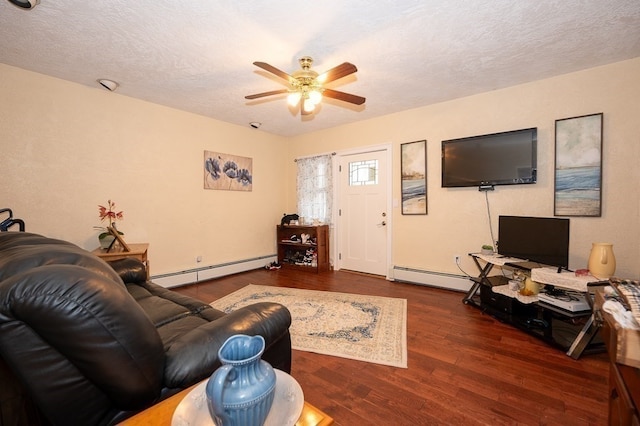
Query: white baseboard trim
x=204 y=273
x=175 y=279
x=431 y=278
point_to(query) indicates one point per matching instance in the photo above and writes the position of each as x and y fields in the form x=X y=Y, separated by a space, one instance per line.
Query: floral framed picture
x=578 y=166
x=413 y=156
x=227 y=172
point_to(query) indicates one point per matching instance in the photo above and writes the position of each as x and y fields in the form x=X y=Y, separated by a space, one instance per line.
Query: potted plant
x=487 y=249
x=111 y=215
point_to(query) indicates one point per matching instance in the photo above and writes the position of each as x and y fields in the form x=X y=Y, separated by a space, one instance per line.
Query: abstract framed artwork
x=413 y=157
x=227 y=172
x=578 y=166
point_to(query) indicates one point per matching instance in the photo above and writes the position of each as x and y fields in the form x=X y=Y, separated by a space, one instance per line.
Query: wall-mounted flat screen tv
x=543 y=240
x=507 y=158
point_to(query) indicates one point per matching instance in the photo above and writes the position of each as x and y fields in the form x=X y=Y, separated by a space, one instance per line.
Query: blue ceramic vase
x=240 y=393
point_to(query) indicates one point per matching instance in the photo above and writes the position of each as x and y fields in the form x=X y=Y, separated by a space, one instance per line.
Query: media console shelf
x=573 y=332
x=312 y=254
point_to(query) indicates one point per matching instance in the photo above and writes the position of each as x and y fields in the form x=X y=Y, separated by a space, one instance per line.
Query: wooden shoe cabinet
x=311 y=255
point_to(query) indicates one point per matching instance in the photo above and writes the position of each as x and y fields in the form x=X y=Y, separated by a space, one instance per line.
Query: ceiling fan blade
x=263 y=94
x=274 y=70
x=335 y=73
x=342 y=96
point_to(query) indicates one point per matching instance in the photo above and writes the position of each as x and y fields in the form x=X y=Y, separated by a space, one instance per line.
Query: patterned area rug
x=366 y=328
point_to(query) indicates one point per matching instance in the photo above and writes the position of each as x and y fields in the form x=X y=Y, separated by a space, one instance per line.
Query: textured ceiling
x=197 y=55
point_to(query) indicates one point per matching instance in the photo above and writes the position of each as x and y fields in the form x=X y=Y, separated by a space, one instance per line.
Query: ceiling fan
x=306 y=87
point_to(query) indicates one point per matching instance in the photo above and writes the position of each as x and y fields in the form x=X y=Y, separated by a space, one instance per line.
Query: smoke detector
x=110 y=85
x=25 y=4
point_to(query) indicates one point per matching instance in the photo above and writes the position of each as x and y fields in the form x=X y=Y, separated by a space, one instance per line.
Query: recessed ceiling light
x=25 y=4
x=255 y=124
x=110 y=85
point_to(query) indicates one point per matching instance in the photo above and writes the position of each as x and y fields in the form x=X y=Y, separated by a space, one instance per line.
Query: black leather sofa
x=83 y=342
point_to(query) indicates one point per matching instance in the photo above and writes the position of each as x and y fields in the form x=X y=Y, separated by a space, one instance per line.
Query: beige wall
x=66 y=148
x=457 y=222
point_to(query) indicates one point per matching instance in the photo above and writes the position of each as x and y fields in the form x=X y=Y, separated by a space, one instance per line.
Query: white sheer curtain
x=315 y=188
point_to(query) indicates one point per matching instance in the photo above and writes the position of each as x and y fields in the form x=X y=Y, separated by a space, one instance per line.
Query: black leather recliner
x=83 y=342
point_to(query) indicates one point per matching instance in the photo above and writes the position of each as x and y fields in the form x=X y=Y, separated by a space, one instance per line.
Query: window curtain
x=315 y=188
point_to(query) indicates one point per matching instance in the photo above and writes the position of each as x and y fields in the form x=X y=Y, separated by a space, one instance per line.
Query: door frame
x=388 y=149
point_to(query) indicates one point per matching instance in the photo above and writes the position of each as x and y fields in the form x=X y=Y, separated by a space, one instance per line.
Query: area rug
x=365 y=328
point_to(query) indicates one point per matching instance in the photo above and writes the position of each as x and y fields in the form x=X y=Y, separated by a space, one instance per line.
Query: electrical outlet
x=198 y=259
x=456 y=258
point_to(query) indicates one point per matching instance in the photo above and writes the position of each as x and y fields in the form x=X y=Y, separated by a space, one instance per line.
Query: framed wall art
x=413 y=157
x=578 y=166
x=227 y=172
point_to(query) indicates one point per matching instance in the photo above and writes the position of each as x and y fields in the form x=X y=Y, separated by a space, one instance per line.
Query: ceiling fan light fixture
x=315 y=96
x=25 y=4
x=309 y=106
x=306 y=87
x=293 y=98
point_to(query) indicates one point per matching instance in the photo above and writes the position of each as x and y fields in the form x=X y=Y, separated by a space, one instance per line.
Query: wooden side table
x=624 y=375
x=162 y=413
x=137 y=251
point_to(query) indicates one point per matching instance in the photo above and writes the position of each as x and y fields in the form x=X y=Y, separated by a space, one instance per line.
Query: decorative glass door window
x=363 y=173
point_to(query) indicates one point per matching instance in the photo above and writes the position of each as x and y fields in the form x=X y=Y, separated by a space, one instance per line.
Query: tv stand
x=573 y=332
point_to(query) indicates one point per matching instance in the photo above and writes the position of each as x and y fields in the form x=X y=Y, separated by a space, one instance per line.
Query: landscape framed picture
x=578 y=166
x=413 y=157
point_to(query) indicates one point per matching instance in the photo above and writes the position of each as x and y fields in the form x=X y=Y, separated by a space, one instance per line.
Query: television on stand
x=543 y=241
x=506 y=158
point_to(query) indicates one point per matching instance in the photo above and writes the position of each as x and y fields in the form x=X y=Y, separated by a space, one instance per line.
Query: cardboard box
x=623 y=344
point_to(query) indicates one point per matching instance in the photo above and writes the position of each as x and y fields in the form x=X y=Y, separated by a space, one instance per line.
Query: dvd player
x=568 y=300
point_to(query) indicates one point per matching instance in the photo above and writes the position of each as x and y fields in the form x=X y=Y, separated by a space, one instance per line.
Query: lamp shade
x=308 y=105
x=294 y=98
x=315 y=96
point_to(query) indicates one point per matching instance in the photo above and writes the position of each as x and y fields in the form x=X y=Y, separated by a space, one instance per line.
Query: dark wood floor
x=465 y=368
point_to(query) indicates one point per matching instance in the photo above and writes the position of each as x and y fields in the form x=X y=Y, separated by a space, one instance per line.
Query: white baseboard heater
x=430 y=278
x=204 y=273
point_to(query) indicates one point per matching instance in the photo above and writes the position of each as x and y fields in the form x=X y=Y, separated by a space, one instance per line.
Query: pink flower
x=109 y=213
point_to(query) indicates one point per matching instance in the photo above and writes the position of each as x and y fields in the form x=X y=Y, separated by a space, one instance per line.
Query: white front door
x=363 y=216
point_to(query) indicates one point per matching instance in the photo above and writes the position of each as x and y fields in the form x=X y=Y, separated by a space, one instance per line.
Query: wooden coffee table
x=161 y=413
